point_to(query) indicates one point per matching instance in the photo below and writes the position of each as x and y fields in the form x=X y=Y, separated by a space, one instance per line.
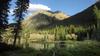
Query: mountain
x=85 y=17
x=42 y=19
x=48 y=19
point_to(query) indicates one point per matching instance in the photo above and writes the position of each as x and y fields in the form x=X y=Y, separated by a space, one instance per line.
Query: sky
x=69 y=7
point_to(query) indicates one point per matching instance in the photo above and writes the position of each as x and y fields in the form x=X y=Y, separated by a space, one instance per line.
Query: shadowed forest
x=48 y=33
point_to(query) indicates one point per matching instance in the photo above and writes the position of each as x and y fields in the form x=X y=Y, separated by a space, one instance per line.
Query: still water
x=46 y=45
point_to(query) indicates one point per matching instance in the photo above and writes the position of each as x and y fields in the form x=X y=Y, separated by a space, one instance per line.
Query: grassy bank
x=73 y=48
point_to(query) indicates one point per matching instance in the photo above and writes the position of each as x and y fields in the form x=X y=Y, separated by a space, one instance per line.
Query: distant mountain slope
x=47 y=19
x=83 y=18
x=42 y=19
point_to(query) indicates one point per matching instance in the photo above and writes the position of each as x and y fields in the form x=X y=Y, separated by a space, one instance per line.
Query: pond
x=50 y=45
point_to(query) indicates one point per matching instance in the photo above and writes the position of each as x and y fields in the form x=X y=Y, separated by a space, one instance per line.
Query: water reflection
x=46 y=45
x=42 y=45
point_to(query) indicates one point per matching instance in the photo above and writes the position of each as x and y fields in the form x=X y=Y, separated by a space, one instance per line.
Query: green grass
x=73 y=48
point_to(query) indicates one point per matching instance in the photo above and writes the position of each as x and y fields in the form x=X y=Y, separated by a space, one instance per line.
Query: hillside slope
x=47 y=19
x=42 y=19
x=83 y=18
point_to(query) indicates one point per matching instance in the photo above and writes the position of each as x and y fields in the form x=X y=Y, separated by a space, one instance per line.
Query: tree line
x=19 y=13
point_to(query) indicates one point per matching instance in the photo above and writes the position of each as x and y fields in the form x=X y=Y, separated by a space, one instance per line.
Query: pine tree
x=97 y=17
x=4 y=9
x=19 y=13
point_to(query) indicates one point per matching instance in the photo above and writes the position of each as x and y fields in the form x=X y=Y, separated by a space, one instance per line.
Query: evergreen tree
x=4 y=9
x=19 y=13
x=97 y=17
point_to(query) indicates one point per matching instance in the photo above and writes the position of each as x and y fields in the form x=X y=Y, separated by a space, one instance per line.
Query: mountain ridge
x=84 y=17
x=44 y=18
x=48 y=19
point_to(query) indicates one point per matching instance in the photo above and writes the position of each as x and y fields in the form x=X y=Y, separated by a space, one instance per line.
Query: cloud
x=34 y=7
